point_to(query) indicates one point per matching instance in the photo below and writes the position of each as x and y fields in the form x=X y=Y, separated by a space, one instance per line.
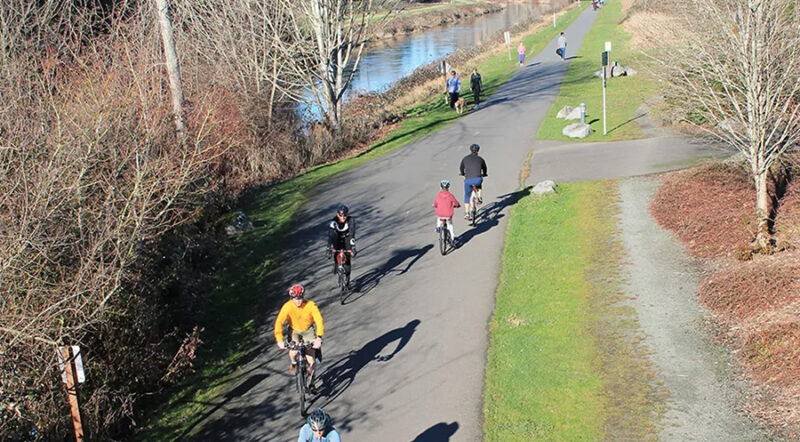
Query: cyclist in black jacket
x=342 y=236
x=473 y=169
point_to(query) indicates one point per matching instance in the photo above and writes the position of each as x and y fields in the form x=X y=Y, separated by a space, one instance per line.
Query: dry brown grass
x=710 y=209
x=654 y=29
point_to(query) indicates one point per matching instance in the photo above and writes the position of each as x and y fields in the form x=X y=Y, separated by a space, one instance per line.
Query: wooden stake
x=72 y=393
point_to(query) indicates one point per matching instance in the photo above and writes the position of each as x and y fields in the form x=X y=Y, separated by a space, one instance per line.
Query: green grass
x=239 y=302
x=561 y=363
x=624 y=94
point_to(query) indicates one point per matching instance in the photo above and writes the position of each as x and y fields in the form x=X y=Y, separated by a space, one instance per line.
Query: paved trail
x=404 y=358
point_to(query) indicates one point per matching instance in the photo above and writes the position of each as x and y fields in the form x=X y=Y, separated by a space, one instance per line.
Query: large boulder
x=575 y=114
x=239 y=225
x=566 y=110
x=546 y=186
x=577 y=130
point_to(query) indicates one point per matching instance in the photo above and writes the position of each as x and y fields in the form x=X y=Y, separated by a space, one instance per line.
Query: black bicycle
x=445 y=240
x=341 y=273
x=474 y=202
x=303 y=381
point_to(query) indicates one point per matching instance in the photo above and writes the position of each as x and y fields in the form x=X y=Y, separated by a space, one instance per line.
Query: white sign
x=507 y=37
x=61 y=366
x=78 y=361
x=444 y=67
x=608 y=46
x=78 y=364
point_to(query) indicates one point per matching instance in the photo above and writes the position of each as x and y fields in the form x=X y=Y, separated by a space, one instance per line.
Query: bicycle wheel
x=300 y=379
x=473 y=212
x=342 y=284
x=443 y=233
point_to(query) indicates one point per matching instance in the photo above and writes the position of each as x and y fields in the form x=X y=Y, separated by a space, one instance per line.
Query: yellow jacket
x=300 y=318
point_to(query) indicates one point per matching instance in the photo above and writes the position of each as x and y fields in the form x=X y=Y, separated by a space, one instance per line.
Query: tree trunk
x=762 y=211
x=173 y=66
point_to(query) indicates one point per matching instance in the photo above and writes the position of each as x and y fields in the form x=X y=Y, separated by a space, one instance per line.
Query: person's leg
x=451 y=229
x=467 y=191
x=453 y=98
x=347 y=267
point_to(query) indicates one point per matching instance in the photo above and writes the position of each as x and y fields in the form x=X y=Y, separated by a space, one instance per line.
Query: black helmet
x=343 y=210
x=319 y=420
x=474 y=148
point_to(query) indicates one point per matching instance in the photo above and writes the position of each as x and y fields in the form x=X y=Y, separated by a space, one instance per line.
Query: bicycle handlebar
x=291 y=345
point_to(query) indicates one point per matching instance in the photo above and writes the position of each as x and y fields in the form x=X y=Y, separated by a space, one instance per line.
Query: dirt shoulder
x=753 y=304
x=694 y=378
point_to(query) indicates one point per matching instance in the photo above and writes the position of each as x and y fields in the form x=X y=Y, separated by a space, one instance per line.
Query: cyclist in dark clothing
x=342 y=236
x=473 y=169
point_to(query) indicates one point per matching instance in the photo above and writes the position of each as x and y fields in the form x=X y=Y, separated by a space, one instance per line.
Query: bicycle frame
x=302 y=383
x=473 y=205
x=341 y=260
x=444 y=236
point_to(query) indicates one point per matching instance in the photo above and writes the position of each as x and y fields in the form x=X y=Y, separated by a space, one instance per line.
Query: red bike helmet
x=296 y=291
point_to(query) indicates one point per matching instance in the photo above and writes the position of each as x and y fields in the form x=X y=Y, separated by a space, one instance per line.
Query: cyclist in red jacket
x=445 y=204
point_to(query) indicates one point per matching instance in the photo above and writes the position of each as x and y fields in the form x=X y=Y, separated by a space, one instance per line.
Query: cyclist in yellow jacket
x=300 y=313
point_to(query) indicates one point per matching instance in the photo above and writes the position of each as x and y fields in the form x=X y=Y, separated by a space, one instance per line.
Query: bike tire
x=300 y=378
x=473 y=215
x=342 y=285
x=443 y=241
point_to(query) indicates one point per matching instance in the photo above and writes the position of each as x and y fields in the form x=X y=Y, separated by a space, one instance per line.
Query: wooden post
x=72 y=393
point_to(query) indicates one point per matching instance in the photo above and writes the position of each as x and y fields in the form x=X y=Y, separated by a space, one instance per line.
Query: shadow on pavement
x=369 y=280
x=342 y=373
x=212 y=407
x=440 y=432
x=490 y=215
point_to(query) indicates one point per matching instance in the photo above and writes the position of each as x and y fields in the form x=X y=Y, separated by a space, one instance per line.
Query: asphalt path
x=405 y=355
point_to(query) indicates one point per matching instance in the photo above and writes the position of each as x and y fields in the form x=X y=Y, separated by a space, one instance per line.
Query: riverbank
x=427 y=17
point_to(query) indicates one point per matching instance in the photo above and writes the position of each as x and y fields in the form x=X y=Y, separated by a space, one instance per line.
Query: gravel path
x=662 y=285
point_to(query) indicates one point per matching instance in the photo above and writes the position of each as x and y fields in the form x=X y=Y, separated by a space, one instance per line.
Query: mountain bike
x=341 y=273
x=474 y=202
x=303 y=381
x=445 y=240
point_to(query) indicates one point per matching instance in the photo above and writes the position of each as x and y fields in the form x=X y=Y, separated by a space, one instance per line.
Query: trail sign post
x=604 y=60
x=507 y=38
x=71 y=364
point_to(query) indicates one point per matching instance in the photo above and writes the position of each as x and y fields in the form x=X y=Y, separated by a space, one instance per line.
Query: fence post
x=72 y=391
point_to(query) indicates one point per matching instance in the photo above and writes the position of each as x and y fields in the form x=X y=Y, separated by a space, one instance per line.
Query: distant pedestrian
x=453 y=88
x=562 y=46
x=476 y=85
x=521 y=53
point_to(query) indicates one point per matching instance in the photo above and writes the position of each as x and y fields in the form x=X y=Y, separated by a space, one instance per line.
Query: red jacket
x=445 y=203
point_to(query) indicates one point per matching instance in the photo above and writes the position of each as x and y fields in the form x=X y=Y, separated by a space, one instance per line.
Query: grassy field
x=624 y=94
x=239 y=300
x=560 y=354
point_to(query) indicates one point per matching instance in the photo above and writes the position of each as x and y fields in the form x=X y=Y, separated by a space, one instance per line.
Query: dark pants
x=453 y=99
x=477 y=94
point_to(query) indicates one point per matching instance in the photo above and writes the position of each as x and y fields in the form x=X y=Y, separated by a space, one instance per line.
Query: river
x=392 y=59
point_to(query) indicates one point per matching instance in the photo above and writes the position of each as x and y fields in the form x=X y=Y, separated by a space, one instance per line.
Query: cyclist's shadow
x=342 y=373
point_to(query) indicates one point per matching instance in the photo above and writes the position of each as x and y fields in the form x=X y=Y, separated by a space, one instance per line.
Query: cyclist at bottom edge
x=318 y=428
x=473 y=169
x=342 y=236
x=301 y=313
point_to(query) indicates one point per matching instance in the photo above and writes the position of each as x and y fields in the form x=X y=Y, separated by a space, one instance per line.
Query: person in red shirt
x=445 y=205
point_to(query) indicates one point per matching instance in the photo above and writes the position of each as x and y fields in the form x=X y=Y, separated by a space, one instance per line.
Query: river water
x=392 y=59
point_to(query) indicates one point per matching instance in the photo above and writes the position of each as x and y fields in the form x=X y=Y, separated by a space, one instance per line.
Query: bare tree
x=239 y=38
x=326 y=44
x=738 y=74
x=173 y=65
